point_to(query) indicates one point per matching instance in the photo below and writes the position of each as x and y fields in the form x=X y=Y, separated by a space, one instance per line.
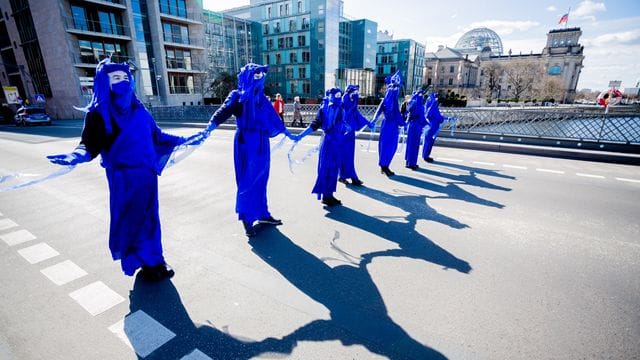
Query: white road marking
x=141 y=332
x=484 y=163
x=196 y=355
x=38 y=252
x=550 y=171
x=449 y=159
x=628 y=180
x=64 y=272
x=515 y=167
x=17 y=237
x=7 y=224
x=590 y=176
x=96 y=298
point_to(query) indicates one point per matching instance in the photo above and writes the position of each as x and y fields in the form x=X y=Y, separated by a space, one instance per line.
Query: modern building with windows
x=230 y=42
x=405 y=55
x=357 y=55
x=57 y=44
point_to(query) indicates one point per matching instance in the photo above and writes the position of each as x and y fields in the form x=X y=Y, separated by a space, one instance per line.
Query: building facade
x=57 y=44
x=230 y=43
x=479 y=73
x=405 y=55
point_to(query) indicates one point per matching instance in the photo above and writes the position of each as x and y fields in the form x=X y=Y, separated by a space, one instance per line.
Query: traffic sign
x=39 y=98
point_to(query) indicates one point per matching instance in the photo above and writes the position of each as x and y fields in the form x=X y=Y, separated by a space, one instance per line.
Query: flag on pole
x=564 y=18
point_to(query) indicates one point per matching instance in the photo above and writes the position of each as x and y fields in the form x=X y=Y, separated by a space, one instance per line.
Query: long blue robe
x=435 y=119
x=356 y=121
x=256 y=123
x=389 y=134
x=331 y=118
x=417 y=122
x=133 y=156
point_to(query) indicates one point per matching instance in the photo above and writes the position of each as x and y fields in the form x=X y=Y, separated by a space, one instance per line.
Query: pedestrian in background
x=279 y=106
x=297 y=115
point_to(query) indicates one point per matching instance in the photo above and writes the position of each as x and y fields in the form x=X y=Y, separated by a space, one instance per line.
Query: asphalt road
x=478 y=256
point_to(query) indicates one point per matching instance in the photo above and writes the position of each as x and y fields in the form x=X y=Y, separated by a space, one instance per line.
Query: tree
x=223 y=84
x=491 y=72
x=551 y=89
x=521 y=76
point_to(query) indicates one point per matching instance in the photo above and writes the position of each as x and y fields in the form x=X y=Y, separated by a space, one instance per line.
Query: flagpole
x=567 y=22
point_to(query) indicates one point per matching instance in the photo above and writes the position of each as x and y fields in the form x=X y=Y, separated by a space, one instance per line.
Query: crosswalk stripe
x=7 y=224
x=96 y=298
x=63 y=272
x=38 y=252
x=17 y=237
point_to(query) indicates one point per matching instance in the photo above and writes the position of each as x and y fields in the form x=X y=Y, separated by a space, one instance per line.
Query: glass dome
x=475 y=40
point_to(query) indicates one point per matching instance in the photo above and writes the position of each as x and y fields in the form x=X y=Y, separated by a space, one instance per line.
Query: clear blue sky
x=610 y=29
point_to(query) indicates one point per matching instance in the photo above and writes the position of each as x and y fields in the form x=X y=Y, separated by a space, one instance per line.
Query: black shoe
x=270 y=220
x=331 y=201
x=412 y=167
x=156 y=273
x=343 y=180
x=356 y=182
x=428 y=159
x=248 y=229
x=385 y=170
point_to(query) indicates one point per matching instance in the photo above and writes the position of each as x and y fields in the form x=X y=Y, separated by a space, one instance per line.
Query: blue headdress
x=350 y=98
x=393 y=88
x=101 y=99
x=251 y=89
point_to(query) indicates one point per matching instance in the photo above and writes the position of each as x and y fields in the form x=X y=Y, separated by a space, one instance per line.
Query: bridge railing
x=555 y=127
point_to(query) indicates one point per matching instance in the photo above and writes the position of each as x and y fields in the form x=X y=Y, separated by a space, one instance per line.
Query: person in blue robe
x=434 y=120
x=256 y=122
x=356 y=121
x=134 y=151
x=389 y=133
x=417 y=121
x=331 y=119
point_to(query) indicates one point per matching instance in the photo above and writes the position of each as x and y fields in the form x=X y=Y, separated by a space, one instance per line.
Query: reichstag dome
x=473 y=41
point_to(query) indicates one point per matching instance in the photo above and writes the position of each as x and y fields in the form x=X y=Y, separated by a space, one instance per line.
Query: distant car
x=31 y=115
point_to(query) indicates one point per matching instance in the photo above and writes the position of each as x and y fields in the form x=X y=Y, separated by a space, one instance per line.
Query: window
x=181 y=84
x=451 y=68
x=300 y=6
x=302 y=72
x=302 y=40
x=292 y=87
x=79 y=18
x=289 y=42
x=268 y=12
x=320 y=26
x=380 y=70
x=450 y=81
x=175 y=33
x=281 y=10
x=292 y=25
x=269 y=44
x=277 y=27
x=265 y=29
x=178 y=59
x=305 y=56
x=280 y=43
x=306 y=88
x=293 y=58
x=267 y=60
x=305 y=24
x=289 y=73
x=174 y=7
x=286 y=9
x=278 y=58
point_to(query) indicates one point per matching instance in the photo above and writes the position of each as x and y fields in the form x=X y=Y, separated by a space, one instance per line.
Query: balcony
x=183 y=42
x=179 y=14
x=96 y=28
x=115 y=4
x=183 y=66
x=89 y=61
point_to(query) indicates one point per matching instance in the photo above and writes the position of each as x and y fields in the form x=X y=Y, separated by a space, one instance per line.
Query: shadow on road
x=470 y=178
x=162 y=302
x=357 y=310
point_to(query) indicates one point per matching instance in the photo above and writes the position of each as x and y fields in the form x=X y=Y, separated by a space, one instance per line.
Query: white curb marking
x=64 y=272
x=141 y=332
x=550 y=171
x=38 y=252
x=96 y=298
x=590 y=176
x=17 y=237
x=515 y=167
x=628 y=180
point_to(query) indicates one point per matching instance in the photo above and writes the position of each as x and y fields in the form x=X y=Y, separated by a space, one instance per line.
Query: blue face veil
x=334 y=106
x=112 y=103
x=251 y=85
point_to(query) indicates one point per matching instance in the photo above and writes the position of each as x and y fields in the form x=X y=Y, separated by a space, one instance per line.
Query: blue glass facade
x=408 y=56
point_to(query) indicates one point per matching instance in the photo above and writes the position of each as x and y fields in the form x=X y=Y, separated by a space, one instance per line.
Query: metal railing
x=102 y=27
x=562 y=127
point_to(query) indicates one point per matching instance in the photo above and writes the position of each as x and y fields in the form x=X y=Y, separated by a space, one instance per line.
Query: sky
x=610 y=29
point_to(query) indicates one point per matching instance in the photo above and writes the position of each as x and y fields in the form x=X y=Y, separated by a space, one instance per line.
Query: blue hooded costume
x=435 y=119
x=256 y=121
x=134 y=151
x=356 y=121
x=331 y=119
x=389 y=134
x=417 y=121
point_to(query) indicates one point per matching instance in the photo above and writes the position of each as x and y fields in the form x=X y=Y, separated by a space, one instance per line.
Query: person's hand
x=73 y=158
x=291 y=136
x=372 y=124
x=198 y=138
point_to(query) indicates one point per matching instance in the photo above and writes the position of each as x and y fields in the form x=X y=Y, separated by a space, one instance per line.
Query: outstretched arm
x=93 y=139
